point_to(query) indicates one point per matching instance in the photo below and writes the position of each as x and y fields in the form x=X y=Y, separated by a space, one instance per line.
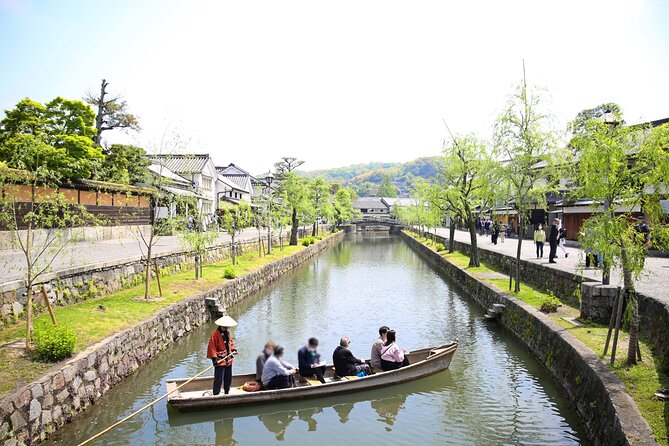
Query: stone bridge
x=362 y=224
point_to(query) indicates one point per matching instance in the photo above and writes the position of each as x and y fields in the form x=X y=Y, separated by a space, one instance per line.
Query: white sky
x=334 y=83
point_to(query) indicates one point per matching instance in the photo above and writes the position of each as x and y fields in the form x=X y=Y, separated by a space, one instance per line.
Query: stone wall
x=608 y=412
x=41 y=407
x=93 y=280
x=564 y=285
x=595 y=300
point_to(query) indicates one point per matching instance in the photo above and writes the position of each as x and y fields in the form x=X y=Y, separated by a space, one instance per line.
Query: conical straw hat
x=226 y=321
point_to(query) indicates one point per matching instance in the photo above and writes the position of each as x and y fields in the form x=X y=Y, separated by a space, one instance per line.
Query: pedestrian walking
x=553 y=240
x=495 y=233
x=502 y=233
x=539 y=240
x=562 y=240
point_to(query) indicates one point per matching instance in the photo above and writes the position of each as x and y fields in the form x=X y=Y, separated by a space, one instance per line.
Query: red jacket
x=217 y=347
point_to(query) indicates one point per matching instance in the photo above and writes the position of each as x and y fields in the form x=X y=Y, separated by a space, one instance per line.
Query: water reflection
x=224 y=431
x=388 y=409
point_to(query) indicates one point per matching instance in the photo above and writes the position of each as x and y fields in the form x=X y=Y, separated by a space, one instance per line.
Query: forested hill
x=366 y=179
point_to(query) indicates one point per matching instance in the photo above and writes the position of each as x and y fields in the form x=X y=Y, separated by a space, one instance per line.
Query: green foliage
x=53 y=343
x=55 y=138
x=387 y=188
x=550 y=304
x=439 y=247
x=124 y=164
x=343 y=206
x=229 y=272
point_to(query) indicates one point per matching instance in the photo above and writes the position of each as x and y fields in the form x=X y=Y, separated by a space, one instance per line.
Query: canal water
x=494 y=392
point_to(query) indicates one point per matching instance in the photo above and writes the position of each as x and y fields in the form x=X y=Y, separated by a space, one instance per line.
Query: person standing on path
x=562 y=240
x=495 y=232
x=539 y=240
x=553 y=240
x=220 y=350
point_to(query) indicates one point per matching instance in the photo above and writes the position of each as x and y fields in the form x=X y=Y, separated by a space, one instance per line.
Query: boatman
x=221 y=350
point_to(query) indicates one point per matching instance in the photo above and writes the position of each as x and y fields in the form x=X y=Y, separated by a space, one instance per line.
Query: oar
x=99 y=434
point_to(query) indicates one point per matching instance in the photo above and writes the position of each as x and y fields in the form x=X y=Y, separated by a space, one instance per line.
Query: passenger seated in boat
x=277 y=374
x=308 y=361
x=377 y=346
x=345 y=363
x=393 y=357
x=262 y=358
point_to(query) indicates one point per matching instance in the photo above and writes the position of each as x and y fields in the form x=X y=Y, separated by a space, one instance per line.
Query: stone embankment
x=595 y=300
x=608 y=412
x=41 y=407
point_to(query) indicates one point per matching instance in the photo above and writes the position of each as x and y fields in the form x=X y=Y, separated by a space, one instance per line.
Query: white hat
x=226 y=321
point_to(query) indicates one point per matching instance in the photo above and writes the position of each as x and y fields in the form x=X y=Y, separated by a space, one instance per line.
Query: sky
x=332 y=83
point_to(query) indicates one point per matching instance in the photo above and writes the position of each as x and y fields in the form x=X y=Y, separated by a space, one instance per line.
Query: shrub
x=53 y=343
x=440 y=247
x=550 y=305
x=229 y=272
x=306 y=241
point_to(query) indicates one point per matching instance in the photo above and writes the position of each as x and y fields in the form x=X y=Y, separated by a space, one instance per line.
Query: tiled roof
x=165 y=172
x=369 y=202
x=182 y=163
x=231 y=170
x=237 y=176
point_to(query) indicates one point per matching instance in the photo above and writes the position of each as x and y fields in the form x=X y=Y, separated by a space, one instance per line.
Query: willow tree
x=297 y=198
x=233 y=220
x=624 y=170
x=527 y=156
x=468 y=185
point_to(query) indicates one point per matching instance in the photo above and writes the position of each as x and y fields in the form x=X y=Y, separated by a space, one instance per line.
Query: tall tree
x=297 y=198
x=387 y=188
x=526 y=149
x=469 y=185
x=233 y=220
x=343 y=206
x=321 y=205
x=124 y=164
x=623 y=169
x=37 y=220
x=55 y=136
x=286 y=166
x=112 y=113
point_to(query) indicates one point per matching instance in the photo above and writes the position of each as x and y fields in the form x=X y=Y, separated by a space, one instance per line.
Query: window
x=206 y=183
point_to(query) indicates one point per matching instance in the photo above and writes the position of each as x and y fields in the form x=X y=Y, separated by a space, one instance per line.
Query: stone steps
x=494 y=312
x=214 y=306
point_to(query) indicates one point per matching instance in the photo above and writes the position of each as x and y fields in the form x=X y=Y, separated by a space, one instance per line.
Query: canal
x=493 y=393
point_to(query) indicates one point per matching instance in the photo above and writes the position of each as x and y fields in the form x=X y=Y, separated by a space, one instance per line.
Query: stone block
x=46 y=417
x=35 y=410
x=58 y=381
x=90 y=375
x=37 y=391
x=47 y=401
x=57 y=414
x=17 y=420
x=63 y=395
x=22 y=400
x=69 y=373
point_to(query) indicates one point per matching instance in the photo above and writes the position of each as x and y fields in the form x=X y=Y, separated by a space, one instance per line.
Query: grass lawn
x=641 y=380
x=121 y=310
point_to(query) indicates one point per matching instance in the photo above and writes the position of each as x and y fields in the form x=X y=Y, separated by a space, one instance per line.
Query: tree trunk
x=451 y=237
x=232 y=248
x=313 y=230
x=197 y=266
x=147 y=268
x=473 y=244
x=99 y=119
x=29 y=315
x=521 y=230
x=293 y=230
x=630 y=295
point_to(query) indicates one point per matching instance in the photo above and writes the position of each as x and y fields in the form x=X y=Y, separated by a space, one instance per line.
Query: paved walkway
x=653 y=282
x=12 y=262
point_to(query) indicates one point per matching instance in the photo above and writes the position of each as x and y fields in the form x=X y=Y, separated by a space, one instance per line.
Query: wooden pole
x=99 y=434
x=612 y=321
x=157 y=271
x=615 y=334
x=48 y=306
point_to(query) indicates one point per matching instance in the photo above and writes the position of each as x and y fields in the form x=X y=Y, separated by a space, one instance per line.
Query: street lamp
x=269 y=179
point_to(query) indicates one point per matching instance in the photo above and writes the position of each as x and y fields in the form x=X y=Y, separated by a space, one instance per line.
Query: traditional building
x=234 y=184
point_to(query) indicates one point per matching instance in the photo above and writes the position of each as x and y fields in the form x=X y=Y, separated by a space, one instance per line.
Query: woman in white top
x=392 y=357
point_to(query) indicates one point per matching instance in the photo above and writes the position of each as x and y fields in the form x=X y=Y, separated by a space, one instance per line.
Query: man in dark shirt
x=553 y=240
x=345 y=363
x=308 y=359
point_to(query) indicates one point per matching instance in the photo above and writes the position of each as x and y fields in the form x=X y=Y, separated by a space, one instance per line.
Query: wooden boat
x=196 y=395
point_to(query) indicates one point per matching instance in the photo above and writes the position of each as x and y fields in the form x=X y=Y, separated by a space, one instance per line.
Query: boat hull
x=424 y=362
